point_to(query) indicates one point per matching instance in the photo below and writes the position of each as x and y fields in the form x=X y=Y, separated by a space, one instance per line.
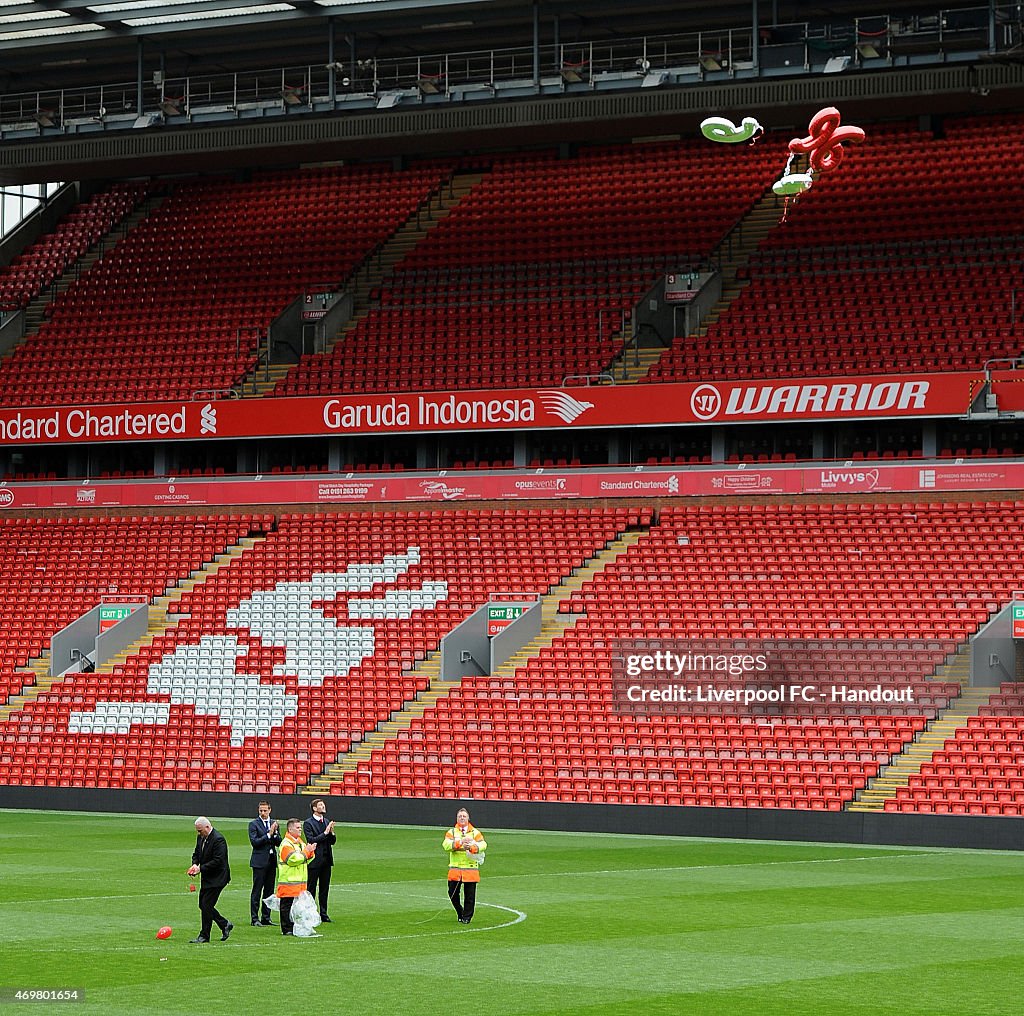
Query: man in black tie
x=321 y=832
x=265 y=839
x=210 y=862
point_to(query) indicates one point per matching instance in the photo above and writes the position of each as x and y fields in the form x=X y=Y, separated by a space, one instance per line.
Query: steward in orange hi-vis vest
x=465 y=846
x=292 y=863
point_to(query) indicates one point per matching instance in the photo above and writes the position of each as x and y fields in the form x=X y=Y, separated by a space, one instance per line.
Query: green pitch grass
x=566 y=924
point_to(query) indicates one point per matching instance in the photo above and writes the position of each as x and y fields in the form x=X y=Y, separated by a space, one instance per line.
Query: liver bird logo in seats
x=210 y=678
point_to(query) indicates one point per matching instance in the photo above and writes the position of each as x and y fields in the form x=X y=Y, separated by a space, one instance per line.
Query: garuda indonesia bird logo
x=564 y=406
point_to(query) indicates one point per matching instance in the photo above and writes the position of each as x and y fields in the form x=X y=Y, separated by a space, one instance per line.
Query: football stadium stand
x=537 y=268
x=880 y=266
x=198 y=707
x=44 y=262
x=978 y=770
x=55 y=569
x=824 y=575
x=469 y=552
x=170 y=309
x=477 y=240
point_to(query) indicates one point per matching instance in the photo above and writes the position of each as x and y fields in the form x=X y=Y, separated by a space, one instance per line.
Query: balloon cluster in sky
x=823 y=147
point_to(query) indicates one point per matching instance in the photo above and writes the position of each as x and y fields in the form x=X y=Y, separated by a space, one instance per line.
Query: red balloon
x=164 y=932
x=823 y=143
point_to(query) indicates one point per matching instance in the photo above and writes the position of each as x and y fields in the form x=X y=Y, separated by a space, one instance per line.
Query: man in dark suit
x=210 y=862
x=321 y=832
x=265 y=839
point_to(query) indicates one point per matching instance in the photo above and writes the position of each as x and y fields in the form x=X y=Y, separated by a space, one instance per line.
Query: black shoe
x=227 y=929
x=266 y=924
x=198 y=940
x=255 y=924
x=287 y=933
x=326 y=919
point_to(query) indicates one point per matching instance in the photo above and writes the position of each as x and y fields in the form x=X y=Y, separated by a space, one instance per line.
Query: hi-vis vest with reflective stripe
x=293 y=870
x=463 y=859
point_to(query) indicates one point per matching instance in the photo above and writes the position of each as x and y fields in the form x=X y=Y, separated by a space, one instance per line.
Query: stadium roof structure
x=210 y=85
x=51 y=44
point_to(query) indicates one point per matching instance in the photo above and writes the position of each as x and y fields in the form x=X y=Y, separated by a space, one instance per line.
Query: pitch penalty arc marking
x=518 y=917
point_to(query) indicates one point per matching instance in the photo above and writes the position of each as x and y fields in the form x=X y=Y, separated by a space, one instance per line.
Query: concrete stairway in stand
x=908 y=763
x=35 y=312
x=633 y=362
x=37 y=680
x=159 y=623
x=553 y=624
x=735 y=250
x=374 y=271
x=400 y=720
x=732 y=254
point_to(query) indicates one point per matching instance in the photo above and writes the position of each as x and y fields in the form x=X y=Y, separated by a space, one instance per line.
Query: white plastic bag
x=305 y=916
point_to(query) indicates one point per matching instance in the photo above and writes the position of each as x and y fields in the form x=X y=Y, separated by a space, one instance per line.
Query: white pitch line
x=269 y=940
x=716 y=867
x=519 y=917
x=698 y=867
x=76 y=899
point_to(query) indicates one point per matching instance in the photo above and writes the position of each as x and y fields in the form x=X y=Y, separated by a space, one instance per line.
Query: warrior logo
x=705 y=402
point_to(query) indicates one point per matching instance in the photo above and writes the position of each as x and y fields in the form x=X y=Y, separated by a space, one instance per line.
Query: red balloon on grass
x=164 y=932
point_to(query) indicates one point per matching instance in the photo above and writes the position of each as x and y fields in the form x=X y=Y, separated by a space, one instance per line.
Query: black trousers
x=318 y=882
x=263 y=885
x=208 y=908
x=287 y=925
x=465 y=908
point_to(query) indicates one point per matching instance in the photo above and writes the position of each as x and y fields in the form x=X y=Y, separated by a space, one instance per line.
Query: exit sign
x=501 y=615
x=1018 y=620
x=110 y=615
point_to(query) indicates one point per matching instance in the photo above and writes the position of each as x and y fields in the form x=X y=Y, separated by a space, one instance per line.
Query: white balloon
x=793 y=183
x=717 y=128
